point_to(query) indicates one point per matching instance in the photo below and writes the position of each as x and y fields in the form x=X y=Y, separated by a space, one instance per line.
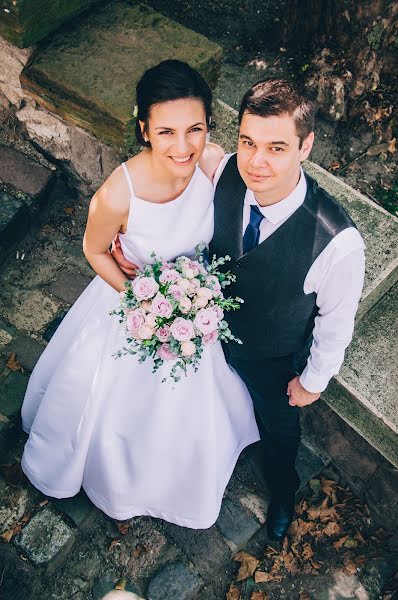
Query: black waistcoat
x=277 y=317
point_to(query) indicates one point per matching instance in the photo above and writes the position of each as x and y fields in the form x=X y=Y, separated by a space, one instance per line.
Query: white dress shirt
x=336 y=277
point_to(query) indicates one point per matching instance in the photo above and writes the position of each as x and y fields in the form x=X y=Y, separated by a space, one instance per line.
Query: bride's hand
x=128 y=268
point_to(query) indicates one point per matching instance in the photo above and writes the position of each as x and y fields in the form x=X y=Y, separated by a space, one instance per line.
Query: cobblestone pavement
x=68 y=549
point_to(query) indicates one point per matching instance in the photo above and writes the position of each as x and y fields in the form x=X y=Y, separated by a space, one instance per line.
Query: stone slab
x=12 y=391
x=26 y=22
x=44 y=536
x=378 y=227
x=88 y=74
x=14 y=221
x=364 y=393
x=28 y=351
x=76 y=508
x=235 y=524
x=175 y=581
x=69 y=286
x=22 y=173
x=31 y=311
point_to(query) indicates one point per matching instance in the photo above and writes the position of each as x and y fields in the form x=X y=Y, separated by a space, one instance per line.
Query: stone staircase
x=86 y=133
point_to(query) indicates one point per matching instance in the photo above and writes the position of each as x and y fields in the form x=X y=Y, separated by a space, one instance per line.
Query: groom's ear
x=306 y=146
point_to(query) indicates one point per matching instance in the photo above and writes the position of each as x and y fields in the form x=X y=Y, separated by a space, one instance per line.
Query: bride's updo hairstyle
x=169 y=80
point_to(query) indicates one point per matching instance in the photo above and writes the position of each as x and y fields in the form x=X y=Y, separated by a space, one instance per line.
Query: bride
x=138 y=446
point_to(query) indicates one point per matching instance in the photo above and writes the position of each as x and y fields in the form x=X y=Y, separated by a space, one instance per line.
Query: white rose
x=201 y=302
x=188 y=348
x=185 y=305
x=205 y=293
x=188 y=273
x=150 y=320
x=145 y=332
x=184 y=284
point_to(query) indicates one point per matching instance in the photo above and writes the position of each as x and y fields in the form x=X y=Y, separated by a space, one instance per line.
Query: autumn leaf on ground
x=302 y=507
x=233 y=593
x=123 y=527
x=327 y=486
x=350 y=543
x=263 y=577
x=392 y=146
x=304 y=596
x=349 y=566
x=299 y=528
x=339 y=543
x=332 y=528
x=307 y=551
x=13 y=364
x=114 y=543
x=121 y=584
x=328 y=514
x=138 y=550
x=335 y=166
x=360 y=560
x=358 y=536
x=69 y=210
x=377 y=150
x=259 y=596
x=7 y=536
x=248 y=565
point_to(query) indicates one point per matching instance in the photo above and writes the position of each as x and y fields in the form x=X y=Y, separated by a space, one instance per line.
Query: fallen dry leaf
x=358 y=536
x=339 y=543
x=7 y=536
x=138 y=550
x=335 y=166
x=69 y=210
x=43 y=503
x=349 y=566
x=332 y=528
x=392 y=146
x=123 y=527
x=13 y=364
x=350 y=543
x=121 y=584
x=259 y=596
x=304 y=596
x=262 y=577
x=114 y=543
x=377 y=149
x=299 y=528
x=248 y=565
x=327 y=486
x=307 y=551
x=233 y=593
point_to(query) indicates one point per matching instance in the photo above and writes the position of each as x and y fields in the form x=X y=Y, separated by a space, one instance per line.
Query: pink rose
x=145 y=287
x=169 y=276
x=188 y=348
x=194 y=285
x=195 y=267
x=163 y=333
x=210 y=338
x=184 y=284
x=165 y=352
x=176 y=291
x=145 y=332
x=185 y=305
x=206 y=321
x=219 y=312
x=150 y=320
x=182 y=330
x=161 y=307
x=135 y=320
x=201 y=302
x=204 y=292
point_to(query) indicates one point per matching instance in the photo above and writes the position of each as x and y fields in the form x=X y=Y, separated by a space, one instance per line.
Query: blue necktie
x=252 y=233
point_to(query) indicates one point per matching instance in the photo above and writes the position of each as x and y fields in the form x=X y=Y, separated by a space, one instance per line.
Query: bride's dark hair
x=169 y=80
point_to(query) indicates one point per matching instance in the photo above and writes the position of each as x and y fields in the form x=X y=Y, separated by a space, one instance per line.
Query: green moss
x=375 y=36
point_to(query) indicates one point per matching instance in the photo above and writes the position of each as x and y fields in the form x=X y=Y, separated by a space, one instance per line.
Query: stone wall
x=88 y=160
x=367 y=472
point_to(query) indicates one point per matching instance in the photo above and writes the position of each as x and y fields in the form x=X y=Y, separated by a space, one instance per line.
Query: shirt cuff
x=313 y=383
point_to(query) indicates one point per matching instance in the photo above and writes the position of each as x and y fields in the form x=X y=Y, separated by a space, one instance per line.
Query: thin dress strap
x=129 y=182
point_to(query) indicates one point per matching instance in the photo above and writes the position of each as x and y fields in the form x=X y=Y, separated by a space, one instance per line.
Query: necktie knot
x=252 y=233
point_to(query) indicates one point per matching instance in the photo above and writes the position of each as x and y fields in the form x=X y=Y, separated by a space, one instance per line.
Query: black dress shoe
x=280 y=515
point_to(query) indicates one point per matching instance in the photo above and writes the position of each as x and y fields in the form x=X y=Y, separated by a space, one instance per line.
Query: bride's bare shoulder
x=210 y=159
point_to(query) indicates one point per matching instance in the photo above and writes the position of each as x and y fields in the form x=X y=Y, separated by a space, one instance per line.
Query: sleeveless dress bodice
x=170 y=229
x=136 y=445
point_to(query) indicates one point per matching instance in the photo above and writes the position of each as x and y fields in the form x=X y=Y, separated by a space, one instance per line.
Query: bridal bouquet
x=172 y=310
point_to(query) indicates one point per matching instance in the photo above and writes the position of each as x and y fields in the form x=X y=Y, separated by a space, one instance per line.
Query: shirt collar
x=286 y=207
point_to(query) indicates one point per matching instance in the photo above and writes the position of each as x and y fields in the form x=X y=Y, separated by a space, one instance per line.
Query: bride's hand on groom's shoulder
x=299 y=396
x=128 y=268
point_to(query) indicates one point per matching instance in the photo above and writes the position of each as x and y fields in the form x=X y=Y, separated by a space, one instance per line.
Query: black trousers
x=278 y=422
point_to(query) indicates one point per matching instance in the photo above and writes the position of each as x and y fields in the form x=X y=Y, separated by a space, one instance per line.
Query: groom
x=299 y=264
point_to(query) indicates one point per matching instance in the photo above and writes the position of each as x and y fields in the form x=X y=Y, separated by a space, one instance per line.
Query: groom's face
x=269 y=156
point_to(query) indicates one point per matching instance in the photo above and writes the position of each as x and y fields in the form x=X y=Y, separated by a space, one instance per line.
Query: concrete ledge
x=87 y=75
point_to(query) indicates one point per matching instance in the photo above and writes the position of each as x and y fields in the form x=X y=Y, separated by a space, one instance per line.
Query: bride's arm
x=210 y=159
x=106 y=216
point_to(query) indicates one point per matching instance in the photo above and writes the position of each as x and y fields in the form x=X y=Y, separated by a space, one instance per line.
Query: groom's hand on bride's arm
x=128 y=268
x=299 y=396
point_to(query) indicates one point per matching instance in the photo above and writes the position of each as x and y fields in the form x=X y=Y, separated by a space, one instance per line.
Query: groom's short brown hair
x=276 y=97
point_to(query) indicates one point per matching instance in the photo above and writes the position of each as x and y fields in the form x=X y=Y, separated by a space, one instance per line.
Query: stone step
x=87 y=74
x=26 y=22
x=363 y=394
x=24 y=188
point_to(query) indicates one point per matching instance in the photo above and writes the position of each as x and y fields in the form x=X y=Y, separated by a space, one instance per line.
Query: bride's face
x=177 y=133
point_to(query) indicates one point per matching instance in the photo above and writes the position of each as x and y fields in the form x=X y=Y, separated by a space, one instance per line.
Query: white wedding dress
x=137 y=446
